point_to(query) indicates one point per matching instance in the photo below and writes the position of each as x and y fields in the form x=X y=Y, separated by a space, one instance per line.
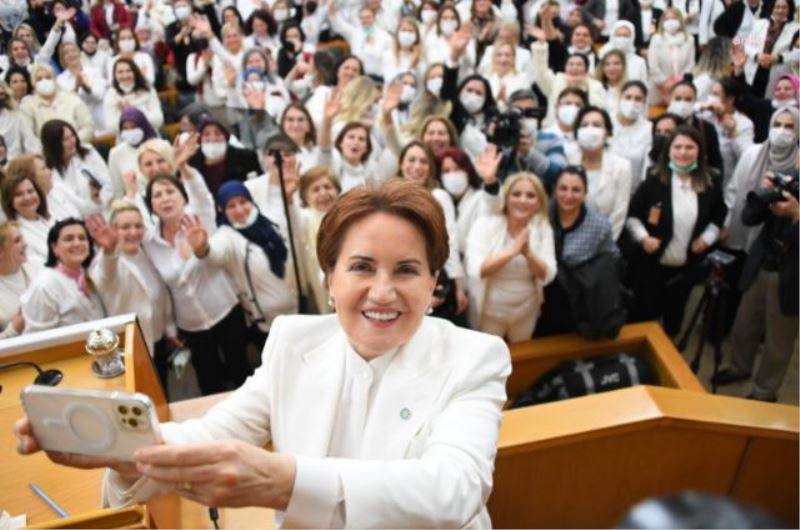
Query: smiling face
x=415 y=166
x=15 y=247
x=503 y=58
x=522 y=203
x=232 y=39
x=612 y=68
x=123 y=73
x=296 y=125
x=321 y=194
x=575 y=67
x=19 y=86
x=348 y=70
x=354 y=145
x=72 y=246
x=570 y=193
x=683 y=150
x=381 y=283
x=581 y=37
x=780 y=11
x=26 y=201
x=436 y=136
x=238 y=209
x=152 y=164
x=71 y=54
x=168 y=203
x=130 y=230
x=784 y=91
x=19 y=52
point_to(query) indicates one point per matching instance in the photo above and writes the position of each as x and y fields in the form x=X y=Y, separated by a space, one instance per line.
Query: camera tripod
x=711 y=307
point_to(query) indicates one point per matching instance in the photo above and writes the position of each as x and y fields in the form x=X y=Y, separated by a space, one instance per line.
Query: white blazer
x=431 y=470
x=754 y=44
x=53 y=300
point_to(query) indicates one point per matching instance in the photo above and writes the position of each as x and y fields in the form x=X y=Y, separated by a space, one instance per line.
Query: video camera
x=763 y=197
x=508 y=124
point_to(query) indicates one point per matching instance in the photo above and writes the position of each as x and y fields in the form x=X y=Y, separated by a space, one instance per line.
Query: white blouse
x=54 y=300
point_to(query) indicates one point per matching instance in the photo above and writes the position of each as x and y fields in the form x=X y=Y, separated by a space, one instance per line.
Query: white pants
x=516 y=331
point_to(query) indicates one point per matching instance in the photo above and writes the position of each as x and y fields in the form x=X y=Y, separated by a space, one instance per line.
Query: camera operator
x=769 y=281
x=526 y=147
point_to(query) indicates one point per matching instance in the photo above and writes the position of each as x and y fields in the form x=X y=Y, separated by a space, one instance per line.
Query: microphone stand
x=295 y=265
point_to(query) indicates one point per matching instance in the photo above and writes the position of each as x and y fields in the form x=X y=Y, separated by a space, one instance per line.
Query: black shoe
x=728 y=376
x=767 y=400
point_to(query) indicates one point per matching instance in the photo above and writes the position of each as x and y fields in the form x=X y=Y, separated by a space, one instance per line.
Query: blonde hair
x=62 y=49
x=121 y=205
x=677 y=12
x=23 y=25
x=357 y=97
x=416 y=47
x=496 y=50
x=5 y=232
x=160 y=147
x=600 y=75
x=37 y=67
x=538 y=187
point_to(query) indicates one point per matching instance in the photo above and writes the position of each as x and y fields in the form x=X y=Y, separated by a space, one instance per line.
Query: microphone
x=46 y=377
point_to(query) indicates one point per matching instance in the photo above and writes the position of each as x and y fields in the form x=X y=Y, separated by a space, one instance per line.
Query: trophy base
x=107 y=375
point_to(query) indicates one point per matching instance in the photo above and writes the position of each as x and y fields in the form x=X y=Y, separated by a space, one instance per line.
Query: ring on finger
x=186 y=486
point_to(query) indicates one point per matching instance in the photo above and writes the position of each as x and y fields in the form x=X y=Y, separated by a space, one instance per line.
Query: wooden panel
x=763 y=480
x=141 y=372
x=133 y=517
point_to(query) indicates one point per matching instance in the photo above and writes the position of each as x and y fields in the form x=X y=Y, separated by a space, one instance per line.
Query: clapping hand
x=103 y=233
x=487 y=163
x=520 y=244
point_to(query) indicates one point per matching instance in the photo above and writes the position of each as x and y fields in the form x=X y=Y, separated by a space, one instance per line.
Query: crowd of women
x=528 y=121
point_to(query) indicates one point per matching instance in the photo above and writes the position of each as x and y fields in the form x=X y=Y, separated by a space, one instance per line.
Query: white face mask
x=407 y=38
x=183 y=12
x=213 y=150
x=630 y=109
x=713 y=99
x=645 y=3
x=258 y=86
x=448 y=26
x=471 y=101
x=455 y=183
x=683 y=109
x=281 y=14
x=132 y=137
x=591 y=138
x=532 y=126
x=428 y=16
x=672 y=26
x=434 y=85
x=622 y=44
x=408 y=94
x=126 y=88
x=45 y=87
x=567 y=114
x=127 y=45
x=251 y=218
x=781 y=138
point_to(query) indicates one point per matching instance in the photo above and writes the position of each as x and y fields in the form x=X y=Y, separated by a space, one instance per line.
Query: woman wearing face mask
x=130 y=282
x=407 y=53
x=581 y=235
x=609 y=175
x=108 y=16
x=611 y=73
x=734 y=130
x=367 y=41
x=509 y=259
x=437 y=41
x=622 y=39
x=671 y=53
x=14 y=128
x=134 y=130
x=26 y=203
x=63 y=293
x=16 y=275
x=129 y=89
x=83 y=80
x=319 y=190
x=77 y=165
x=570 y=101
x=126 y=46
x=632 y=130
x=464 y=182
x=503 y=76
x=682 y=102
x=49 y=103
x=769 y=39
x=218 y=161
x=62 y=202
x=675 y=217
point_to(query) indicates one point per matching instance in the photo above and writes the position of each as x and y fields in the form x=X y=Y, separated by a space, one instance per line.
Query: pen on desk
x=50 y=502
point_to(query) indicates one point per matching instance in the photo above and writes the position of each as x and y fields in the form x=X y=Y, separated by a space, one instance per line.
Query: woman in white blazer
x=129 y=282
x=62 y=293
x=509 y=259
x=670 y=55
x=422 y=457
x=129 y=88
x=16 y=275
x=609 y=175
x=26 y=203
x=768 y=46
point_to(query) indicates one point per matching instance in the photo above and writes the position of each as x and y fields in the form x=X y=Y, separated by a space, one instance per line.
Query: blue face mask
x=682 y=169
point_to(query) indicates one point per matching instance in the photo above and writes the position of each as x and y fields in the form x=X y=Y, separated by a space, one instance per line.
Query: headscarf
x=258 y=229
x=619 y=24
x=211 y=120
x=137 y=116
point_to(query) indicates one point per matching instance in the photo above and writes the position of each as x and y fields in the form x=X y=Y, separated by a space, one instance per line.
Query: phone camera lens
x=136 y=411
x=133 y=423
x=122 y=409
x=124 y=420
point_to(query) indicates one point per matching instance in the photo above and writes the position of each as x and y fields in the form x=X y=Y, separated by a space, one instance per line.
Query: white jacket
x=487 y=238
x=54 y=300
x=431 y=470
x=754 y=44
x=144 y=100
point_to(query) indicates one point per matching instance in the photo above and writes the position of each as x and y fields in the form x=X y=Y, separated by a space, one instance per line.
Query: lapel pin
x=405 y=413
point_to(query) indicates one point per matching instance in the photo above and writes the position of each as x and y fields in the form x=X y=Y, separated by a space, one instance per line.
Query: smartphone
x=91 y=422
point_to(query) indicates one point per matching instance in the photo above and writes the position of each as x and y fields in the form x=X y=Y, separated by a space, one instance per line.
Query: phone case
x=91 y=422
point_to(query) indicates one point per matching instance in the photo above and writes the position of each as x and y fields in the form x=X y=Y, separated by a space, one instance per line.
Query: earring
x=331 y=302
x=429 y=311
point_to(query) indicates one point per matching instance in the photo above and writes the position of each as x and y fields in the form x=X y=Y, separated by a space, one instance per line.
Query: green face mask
x=682 y=169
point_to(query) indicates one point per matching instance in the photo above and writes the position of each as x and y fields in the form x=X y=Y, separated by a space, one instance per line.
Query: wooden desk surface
x=75 y=490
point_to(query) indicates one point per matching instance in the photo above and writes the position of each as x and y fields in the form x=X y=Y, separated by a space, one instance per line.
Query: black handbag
x=583 y=377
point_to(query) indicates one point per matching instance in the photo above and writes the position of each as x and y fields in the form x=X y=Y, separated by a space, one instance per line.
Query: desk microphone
x=45 y=377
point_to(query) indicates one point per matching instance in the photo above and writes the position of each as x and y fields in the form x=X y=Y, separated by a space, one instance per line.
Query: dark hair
x=638 y=84
x=432 y=177
x=573 y=170
x=701 y=178
x=55 y=233
x=10 y=184
x=164 y=177
x=592 y=33
x=139 y=82
x=264 y=16
x=462 y=161
x=591 y=108
x=115 y=40
x=771 y=7
x=52 y=137
x=349 y=127
x=667 y=116
x=292 y=24
x=415 y=204
x=575 y=91
x=311 y=135
x=21 y=70
x=582 y=57
x=235 y=12
x=687 y=80
x=731 y=88
x=343 y=60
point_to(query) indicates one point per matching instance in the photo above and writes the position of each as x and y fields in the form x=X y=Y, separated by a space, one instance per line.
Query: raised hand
x=391 y=98
x=255 y=99
x=487 y=163
x=202 y=25
x=103 y=233
x=183 y=151
x=195 y=233
x=131 y=187
x=333 y=104
x=291 y=175
x=459 y=40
